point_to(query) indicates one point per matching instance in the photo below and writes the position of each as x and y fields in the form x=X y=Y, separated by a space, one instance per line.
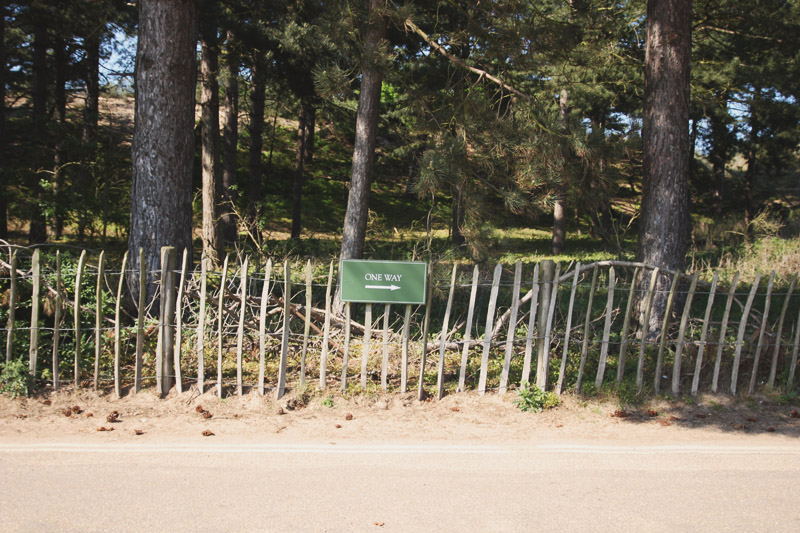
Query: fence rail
x=264 y=327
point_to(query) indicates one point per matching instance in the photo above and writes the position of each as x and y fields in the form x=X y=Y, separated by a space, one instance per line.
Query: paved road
x=397 y=487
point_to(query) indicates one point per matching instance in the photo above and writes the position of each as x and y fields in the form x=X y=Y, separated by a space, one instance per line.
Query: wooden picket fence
x=555 y=328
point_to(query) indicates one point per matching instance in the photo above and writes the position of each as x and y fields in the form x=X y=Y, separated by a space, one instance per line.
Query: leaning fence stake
x=326 y=332
x=586 y=330
x=601 y=366
x=385 y=361
x=648 y=301
x=425 y=325
x=562 y=370
x=117 y=339
x=443 y=337
x=201 y=327
x=346 y=352
x=740 y=336
x=365 y=345
x=287 y=322
x=702 y=346
x=240 y=329
x=541 y=378
x=220 y=323
x=179 y=323
x=77 y=317
x=722 y=331
x=773 y=369
x=512 y=326
x=262 y=326
x=462 y=374
x=677 y=363
x=526 y=362
x=665 y=330
x=33 y=351
x=487 y=336
x=12 y=308
x=57 y=320
x=306 y=325
x=793 y=364
x=764 y=323
x=626 y=324
x=404 y=355
x=98 y=317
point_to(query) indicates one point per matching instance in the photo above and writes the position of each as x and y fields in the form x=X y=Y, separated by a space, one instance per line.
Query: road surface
x=379 y=486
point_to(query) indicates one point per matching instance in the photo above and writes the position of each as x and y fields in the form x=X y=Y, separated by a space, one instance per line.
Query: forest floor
x=84 y=416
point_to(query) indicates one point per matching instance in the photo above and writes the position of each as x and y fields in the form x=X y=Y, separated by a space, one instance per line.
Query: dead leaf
x=199 y=409
x=348 y=416
x=47 y=402
x=619 y=413
x=113 y=417
x=652 y=412
x=338 y=426
x=664 y=423
x=770 y=430
x=794 y=414
x=379 y=524
x=751 y=419
x=207 y=415
x=455 y=409
x=699 y=415
x=738 y=426
x=103 y=428
x=207 y=433
x=138 y=432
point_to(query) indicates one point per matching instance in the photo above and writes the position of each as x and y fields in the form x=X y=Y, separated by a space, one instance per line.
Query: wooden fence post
x=722 y=331
x=425 y=325
x=764 y=323
x=565 y=354
x=526 y=362
x=346 y=351
x=306 y=325
x=57 y=321
x=586 y=330
x=36 y=273
x=326 y=332
x=262 y=326
x=468 y=330
x=546 y=313
x=287 y=322
x=140 y=323
x=240 y=329
x=365 y=345
x=648 y=304
x=201 y=328
x=404 y=355
x=179 y=323
x=164 y=376
x=793 y=364
x=601 y=366
x=487 y=336
x=740 y=336
x=626 y=324
x=117 y=338
x=385 y=361
x=677 y=363
x=665 y=330
x=701 y=348
x=512 y=326
x=77 y=317
x=12 y=308
x=221 y=322
x=443 y=337
x=774 y=365
x=98 y=317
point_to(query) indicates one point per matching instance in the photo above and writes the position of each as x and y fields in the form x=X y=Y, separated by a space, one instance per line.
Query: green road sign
x=390 y=282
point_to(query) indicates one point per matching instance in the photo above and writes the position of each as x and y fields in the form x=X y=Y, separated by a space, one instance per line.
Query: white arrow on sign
x=384 y=287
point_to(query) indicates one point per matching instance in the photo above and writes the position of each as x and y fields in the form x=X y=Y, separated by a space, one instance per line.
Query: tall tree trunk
x=663 y=235
x=3 y=138
x=163 y=139
x=230 y=139
x=60 y=57
x=300 y=153
x=560 y=205
x=458 y=216
x=38 y=226
x=91 y=110
x=719 y=154
x=752 y=163
x=308 y=132
x=257 y=95
x=367 y=115
x=212 y=186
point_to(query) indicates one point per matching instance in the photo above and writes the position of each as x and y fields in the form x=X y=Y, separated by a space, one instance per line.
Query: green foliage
x=15 y=380
x=531 y=398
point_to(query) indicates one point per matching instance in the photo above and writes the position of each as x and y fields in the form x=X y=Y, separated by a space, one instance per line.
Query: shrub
x=532 y=398
x=15 y=380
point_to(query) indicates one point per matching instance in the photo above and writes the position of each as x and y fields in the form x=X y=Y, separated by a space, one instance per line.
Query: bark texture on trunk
x=300 y=152
x=230 y=140
x=91 y=109
x=752 y=164
x=212 y=186
x=60 y=93
x=257 y=94
x=663 y=235
x=163 y=140
x=355 y=220
x=719 y=155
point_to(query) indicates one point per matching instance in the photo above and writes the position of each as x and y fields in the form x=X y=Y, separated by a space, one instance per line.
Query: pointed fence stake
x=677 y=363
x=117 y=319
x=764 y=324
x=737 y=357
x=723 y=331
x=443 y=336
x=512 y=326
x=565 y=354
x=462 y=374
x=487 y=336
x=698 y=365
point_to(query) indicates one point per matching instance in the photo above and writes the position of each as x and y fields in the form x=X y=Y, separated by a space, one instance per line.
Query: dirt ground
x=466 y=418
